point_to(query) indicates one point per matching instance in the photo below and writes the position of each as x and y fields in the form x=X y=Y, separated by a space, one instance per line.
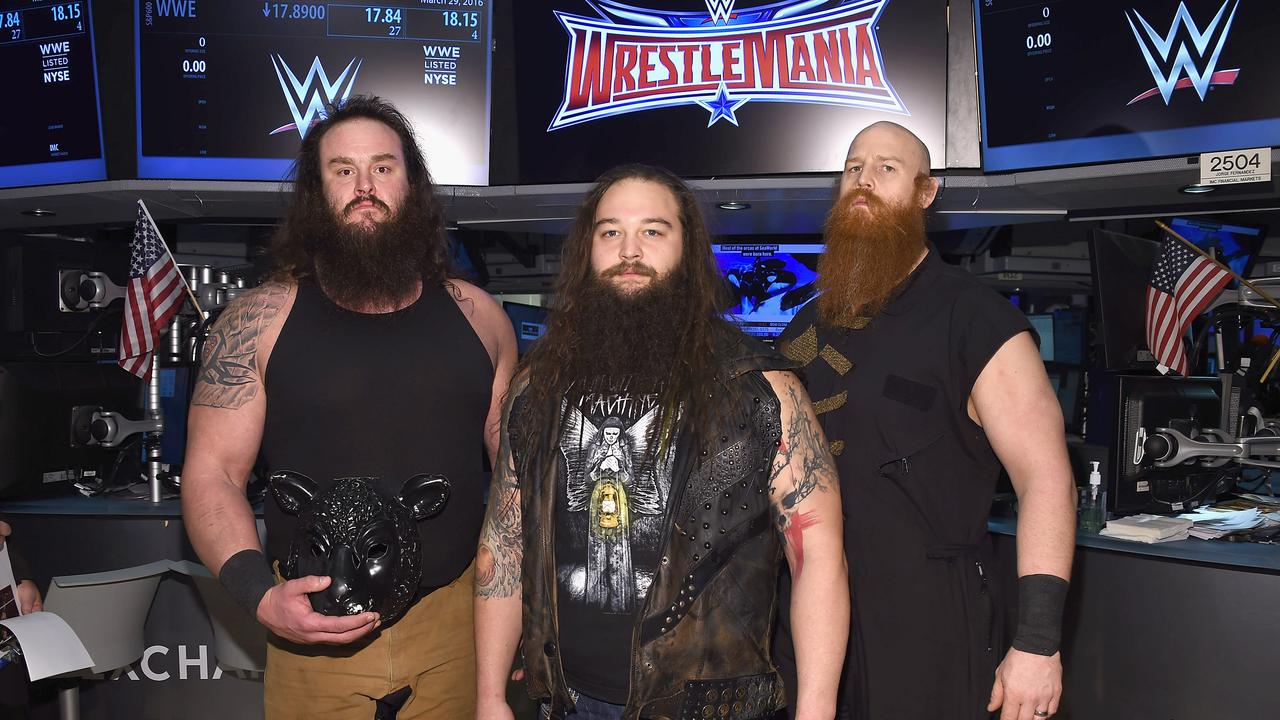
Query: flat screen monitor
x=1068 y=385
x=769 y=283
x=1069 y=336
x=1234 y=245
x=53 y=132
x=529 y=322
x=1184 y=404
x=1088 y=81
x=1121 y=268
x=719 y=88
x=1043 y=325
x=227 y=90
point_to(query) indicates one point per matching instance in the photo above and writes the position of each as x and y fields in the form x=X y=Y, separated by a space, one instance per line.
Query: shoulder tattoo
x=229 y=373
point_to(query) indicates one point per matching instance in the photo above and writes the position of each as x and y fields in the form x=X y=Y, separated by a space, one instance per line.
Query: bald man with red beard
x=926 y=384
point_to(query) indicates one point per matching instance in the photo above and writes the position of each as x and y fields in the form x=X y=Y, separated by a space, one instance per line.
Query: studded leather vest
x=700 y=647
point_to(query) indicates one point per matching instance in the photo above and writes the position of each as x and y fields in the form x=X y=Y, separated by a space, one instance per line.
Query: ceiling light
x=1196 y=189
x=39 y=212
x=734 y=205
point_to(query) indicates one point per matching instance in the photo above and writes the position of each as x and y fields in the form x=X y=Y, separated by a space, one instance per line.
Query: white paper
x=49 y=645
x=9 y=605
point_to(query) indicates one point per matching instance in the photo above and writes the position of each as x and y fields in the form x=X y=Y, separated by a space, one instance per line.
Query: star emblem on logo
x=722 y=106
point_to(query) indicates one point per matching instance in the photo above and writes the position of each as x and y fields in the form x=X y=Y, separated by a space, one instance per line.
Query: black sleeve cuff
x=1041 y=599
x=247 y=577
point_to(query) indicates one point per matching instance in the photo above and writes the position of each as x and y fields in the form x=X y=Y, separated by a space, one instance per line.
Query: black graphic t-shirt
x=612 y=494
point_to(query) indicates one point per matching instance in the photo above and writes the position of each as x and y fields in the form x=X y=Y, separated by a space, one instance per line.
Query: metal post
x=153 y=438
x=69 y=702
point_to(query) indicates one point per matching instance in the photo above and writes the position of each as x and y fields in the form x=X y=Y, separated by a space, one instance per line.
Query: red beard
x=869 y=252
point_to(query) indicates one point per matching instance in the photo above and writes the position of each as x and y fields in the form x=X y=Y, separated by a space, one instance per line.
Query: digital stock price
x=227 y=89
x=1079 y=81
x=46 y=51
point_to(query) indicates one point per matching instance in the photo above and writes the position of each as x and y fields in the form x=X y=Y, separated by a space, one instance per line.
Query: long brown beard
x=623 y=338
x=379 y=266
x=867 y=256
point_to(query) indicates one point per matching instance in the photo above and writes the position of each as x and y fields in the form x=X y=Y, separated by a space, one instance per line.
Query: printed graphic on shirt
x=616 y=492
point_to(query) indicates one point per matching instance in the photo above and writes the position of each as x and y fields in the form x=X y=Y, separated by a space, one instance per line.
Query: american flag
x=153 y=295
x=1182 y=283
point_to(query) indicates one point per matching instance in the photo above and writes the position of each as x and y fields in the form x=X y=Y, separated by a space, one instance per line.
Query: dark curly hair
x=289 y=253
x=694 y=372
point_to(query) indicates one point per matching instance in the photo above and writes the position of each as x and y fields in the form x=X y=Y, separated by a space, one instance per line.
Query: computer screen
x=529 y=322
x=1087 y=81
x=714 y=89
x=1068 y=385
x=769 y=283
x=1121 y=268
x=1069 y=336
x=53 y=134
x=1043 y=324
x=228 y=92
x=1234 y=245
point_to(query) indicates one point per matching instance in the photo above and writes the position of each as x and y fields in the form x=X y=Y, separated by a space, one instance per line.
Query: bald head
x=913 y=148
x=889 y=161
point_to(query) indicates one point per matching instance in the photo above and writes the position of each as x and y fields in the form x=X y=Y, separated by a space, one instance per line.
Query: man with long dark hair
x=655 y=463
x=928 y=382
x=382 y=366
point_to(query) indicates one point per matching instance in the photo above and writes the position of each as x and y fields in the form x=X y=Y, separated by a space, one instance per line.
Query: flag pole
x=190 y=295
x=1243 y=281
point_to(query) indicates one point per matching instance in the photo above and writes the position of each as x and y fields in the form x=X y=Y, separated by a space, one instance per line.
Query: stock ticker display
x=227 y=89
x=54 y=134
x=1066 y=82
x=721 y=87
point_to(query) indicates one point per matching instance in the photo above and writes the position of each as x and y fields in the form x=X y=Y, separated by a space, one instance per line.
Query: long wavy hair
x=289 y=249
x=693 y=370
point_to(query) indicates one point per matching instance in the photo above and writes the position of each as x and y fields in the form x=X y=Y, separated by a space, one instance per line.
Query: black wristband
x=1040 y=602
x=247 y=577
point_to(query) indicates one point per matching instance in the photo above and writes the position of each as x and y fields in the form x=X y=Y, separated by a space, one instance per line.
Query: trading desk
x=1172 y=631
x=177 y=676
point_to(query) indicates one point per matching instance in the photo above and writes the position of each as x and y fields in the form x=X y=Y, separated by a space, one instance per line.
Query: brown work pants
x=431 y=650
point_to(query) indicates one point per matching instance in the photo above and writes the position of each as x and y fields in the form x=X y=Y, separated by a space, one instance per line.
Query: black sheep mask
x=366 y=543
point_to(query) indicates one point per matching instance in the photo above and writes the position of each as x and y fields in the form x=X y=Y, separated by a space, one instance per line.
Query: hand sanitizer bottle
x=1093 y=512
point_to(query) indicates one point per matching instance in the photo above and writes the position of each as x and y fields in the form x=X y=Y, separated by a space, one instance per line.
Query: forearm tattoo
x=801 y=466
x=501 y=542
x=229 y=374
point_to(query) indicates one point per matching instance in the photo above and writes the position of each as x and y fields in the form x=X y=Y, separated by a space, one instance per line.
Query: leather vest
x=700 y=647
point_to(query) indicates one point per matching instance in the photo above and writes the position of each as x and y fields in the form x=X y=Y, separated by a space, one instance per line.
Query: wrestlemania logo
x=798 y=51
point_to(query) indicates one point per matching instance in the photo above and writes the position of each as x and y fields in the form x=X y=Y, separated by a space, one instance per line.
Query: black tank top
x=382 y=395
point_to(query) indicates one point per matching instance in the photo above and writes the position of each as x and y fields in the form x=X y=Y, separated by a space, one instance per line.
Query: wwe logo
x=720 y=10
x=1180 y=60
x=304 y=93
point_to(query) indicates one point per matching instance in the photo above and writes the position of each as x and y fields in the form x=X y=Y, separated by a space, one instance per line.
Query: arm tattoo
x=803 y=454
x=229 y=374
x=816 y=470
x=501 y=549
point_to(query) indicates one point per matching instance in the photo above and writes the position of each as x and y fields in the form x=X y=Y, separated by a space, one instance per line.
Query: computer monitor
x=769 y=283
x=529 y=322
x=1069 y=336
x=1043 y=325
x=1235 y=245
x=1068 y=384
x=1121 y=268
x=1145 y=404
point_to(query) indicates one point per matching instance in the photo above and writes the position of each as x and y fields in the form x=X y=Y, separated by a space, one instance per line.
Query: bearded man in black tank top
x=361 y=357
x=927 y=383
